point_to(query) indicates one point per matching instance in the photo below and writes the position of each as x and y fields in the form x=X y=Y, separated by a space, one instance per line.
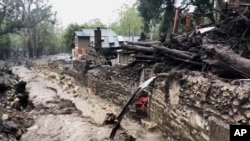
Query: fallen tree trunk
x=184 y=60
x=220 y=68
x=177 y=53
x=149 y=57
x=146 y=44
x=163 y=50
x=231 y=59
x=138 y=48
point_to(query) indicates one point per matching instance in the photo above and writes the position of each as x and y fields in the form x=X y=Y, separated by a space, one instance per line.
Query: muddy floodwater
x=65 y=116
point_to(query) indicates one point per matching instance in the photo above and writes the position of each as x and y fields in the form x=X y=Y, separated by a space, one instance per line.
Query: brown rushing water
x=62 y=116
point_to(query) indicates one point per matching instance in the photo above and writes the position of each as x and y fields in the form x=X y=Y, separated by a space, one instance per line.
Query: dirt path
x=64 y=116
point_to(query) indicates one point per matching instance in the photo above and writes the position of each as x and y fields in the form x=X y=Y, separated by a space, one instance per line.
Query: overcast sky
x=81 y=11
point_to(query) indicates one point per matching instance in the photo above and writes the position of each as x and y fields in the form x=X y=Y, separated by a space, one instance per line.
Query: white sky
x=81 y=11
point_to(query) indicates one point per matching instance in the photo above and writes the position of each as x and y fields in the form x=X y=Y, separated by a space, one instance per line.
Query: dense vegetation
x=162 y=12
x=28 y=28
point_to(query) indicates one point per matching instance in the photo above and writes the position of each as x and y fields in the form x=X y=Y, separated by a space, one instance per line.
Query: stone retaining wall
x=187 y=106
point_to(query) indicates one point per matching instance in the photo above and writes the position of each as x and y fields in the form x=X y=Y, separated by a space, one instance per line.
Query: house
x=86 y=39
x=85 y=42
x=86 y=36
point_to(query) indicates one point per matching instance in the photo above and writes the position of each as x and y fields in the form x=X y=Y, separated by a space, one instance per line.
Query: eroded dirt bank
x=68 y=112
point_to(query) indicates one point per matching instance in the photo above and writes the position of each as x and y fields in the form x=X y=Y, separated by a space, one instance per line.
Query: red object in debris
x=141 y=104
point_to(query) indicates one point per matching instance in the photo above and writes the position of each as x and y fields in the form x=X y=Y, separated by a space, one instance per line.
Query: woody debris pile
x=222 y=49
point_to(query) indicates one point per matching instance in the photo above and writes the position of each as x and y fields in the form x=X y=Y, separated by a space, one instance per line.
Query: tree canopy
x=69 y=35
x=129 y=22
x=28 y=20
x=154 y=12
x=94 y=25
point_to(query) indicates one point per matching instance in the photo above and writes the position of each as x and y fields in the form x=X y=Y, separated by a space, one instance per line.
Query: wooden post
x=188 y=22
x=202 y=21
x=176 y=20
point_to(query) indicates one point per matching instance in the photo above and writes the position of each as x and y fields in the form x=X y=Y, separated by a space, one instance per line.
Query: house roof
x=107 y=40
x=79 y=33
x=91 y=32
x=108 y=36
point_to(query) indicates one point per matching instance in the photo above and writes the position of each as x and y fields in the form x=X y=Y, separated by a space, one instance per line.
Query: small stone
x=19 y=134
x=236 y=103
x=12 y=104
x=34 y=127
x=74 y=91
x=242 y=96
x=231 y=113
x=247 y=113
x=65 y=88
x=246 y=106
x=19 y=95
x=223 y=88
x=149 y=126
x=235 y=109
x=5 y=117
x=9 y=98
x=239 y=118
x=62 y=77
x=16 y=100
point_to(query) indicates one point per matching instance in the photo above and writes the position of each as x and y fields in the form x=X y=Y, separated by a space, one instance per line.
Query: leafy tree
x=94 y=25
x=163 y=11
x=36 y=11
x=11 y=20
x=129 y=22
x=115 y=27
x=205 y=8
x=151 y=12
x=5 y=46
x=46 y=39
x=11 y=16
x=26 y=20
x=69 y=35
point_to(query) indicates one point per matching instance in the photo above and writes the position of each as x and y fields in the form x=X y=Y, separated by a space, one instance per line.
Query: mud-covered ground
x=14 y=105
x=62 y=110
x=56 y=118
